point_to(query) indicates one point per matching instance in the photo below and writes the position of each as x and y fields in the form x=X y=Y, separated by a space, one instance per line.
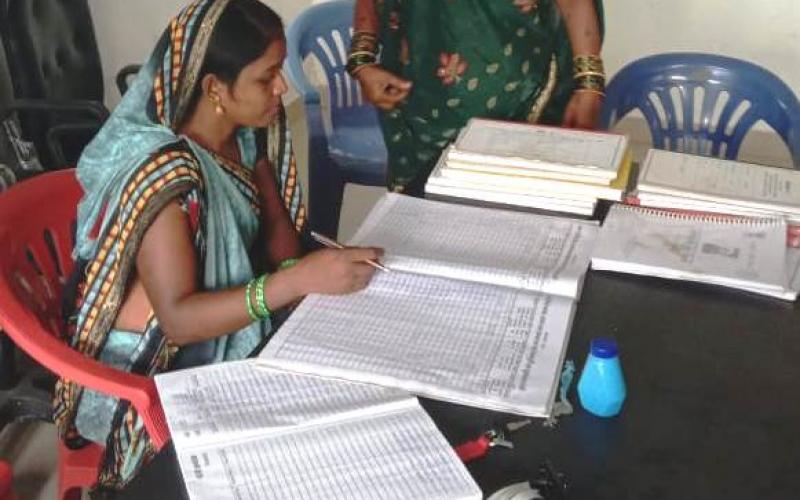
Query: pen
x=324 y=240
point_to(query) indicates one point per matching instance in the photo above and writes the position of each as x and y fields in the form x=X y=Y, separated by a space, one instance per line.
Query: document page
x=547 y=148
x=748 y=254
x=713 y=179
x=435 y=190
x=521 y=184
x=238 y=400
x=395 y=455
x=519 y=250
x=470 y=343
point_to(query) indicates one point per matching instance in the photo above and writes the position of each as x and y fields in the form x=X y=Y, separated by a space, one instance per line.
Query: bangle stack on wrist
x=589 y=74
x=257 y=307
x=363 y=52
x=287 y=263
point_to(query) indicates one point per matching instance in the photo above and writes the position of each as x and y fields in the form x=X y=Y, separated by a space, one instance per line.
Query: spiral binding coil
x=707 y=218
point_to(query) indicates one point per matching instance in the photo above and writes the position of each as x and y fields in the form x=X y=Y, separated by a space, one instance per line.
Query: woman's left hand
x=583 y=110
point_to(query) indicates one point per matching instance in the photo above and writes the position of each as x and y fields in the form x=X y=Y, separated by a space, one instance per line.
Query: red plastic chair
x=6 y=474
x=36 y=227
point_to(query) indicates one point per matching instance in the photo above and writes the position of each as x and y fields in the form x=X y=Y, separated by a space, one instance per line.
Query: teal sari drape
x=136 y=165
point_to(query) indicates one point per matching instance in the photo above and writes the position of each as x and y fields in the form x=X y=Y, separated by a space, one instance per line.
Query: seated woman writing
x=190 y=196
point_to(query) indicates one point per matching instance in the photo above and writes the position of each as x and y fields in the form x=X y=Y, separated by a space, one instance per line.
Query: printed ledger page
x=245 y=431
x=471 y=343
x=519 y=250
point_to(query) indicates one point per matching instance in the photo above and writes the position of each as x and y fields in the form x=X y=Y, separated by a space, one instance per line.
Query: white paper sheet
x=535 y=252
x=592 y=154
x=245 y=431
x=471 y=343
x=444 y=192
x=521 y=184
x=396 y=455
x=239 y=400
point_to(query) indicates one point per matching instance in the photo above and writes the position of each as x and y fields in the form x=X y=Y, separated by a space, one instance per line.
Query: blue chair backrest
x=324 y=31
x=702 y=103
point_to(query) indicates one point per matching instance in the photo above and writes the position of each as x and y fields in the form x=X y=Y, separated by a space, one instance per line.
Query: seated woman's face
x=254 y=100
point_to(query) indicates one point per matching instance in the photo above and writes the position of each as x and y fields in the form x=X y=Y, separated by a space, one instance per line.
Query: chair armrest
x=124 y=74
x=24 y=328
x=94 y=109
x=56 y=133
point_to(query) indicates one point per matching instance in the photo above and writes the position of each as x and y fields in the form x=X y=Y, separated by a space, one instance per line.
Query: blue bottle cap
x=604 y=347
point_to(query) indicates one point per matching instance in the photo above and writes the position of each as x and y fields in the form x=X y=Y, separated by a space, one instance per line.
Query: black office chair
x=25 y=388
x=18 y=158
x=56 y=75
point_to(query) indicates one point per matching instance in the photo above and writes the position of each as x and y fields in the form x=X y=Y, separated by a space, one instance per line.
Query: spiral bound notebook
x=748 y=254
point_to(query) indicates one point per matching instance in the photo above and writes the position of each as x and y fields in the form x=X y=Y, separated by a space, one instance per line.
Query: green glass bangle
x=287 y=263
x=261 y=303
x=250 y=310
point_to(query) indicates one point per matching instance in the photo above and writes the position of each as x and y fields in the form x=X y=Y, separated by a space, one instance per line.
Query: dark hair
x=243 y=32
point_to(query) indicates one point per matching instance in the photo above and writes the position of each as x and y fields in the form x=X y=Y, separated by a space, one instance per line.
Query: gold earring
x=218 y=109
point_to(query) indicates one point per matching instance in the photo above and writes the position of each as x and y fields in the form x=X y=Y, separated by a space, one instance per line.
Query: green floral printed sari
x=505 y=59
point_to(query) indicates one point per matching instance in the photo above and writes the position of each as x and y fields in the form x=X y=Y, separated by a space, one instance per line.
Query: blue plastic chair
x=353 y=151
x=703 y=104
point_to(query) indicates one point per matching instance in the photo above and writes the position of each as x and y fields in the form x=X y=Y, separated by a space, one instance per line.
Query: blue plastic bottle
x=601 y=388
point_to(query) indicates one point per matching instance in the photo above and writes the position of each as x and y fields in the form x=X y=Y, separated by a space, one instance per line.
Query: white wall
x=127 y=30
x=766 y=32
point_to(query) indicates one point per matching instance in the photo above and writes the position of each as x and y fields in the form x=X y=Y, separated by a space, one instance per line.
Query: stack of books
x=699 y=184
x=532 y=166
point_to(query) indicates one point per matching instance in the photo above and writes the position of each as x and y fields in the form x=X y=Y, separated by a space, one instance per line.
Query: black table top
x=713 y=406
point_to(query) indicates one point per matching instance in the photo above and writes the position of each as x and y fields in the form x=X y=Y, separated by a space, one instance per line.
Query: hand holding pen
x=330 y=243
x=330 y=272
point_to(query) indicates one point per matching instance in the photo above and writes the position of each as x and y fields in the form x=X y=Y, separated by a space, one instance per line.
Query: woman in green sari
x=191 y=198
x=445 y=61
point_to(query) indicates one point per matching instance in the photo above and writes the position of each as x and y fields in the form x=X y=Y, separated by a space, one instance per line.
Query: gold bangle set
x=363 y=52
x=589 y=74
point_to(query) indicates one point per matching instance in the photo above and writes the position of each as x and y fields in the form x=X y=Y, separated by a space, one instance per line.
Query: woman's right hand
x=334 y=272
x=382 y=88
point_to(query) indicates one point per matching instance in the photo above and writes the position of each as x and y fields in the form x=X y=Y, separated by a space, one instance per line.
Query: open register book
x=748 y=254
x=243 y=431
x=477 y=309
